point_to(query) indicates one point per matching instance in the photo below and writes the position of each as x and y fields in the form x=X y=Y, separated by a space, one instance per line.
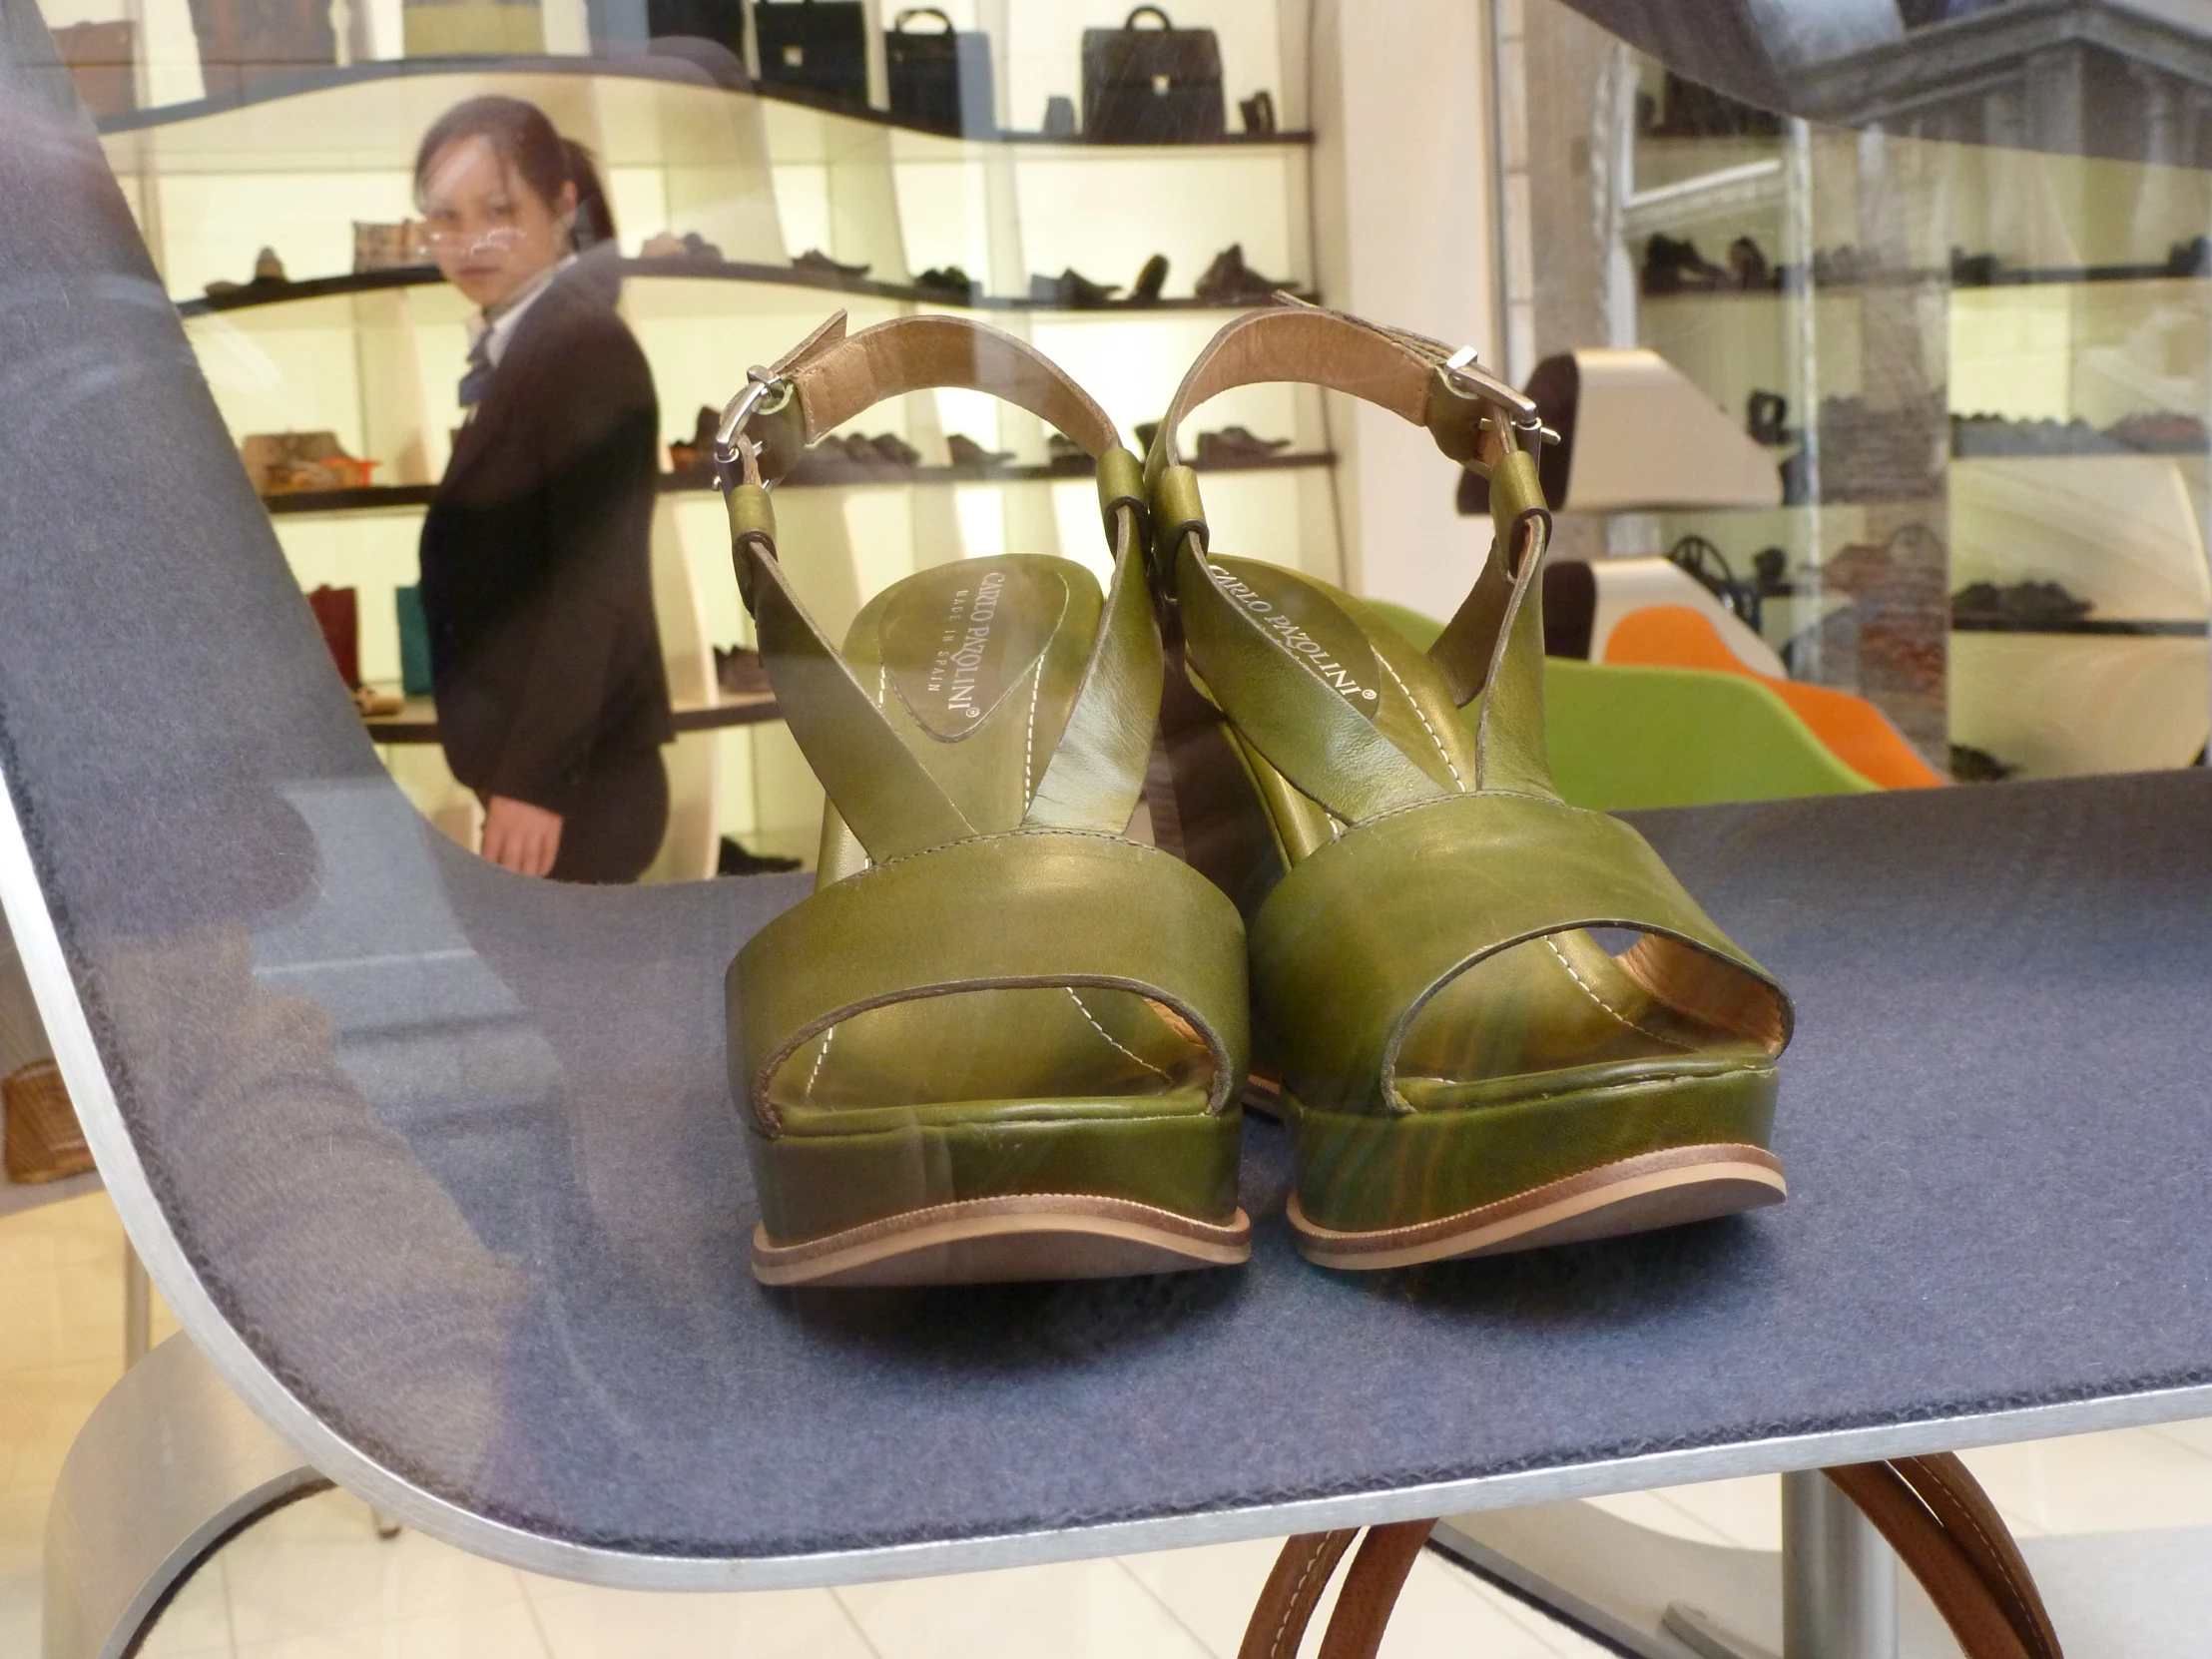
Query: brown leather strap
x=1931 y=1510
x=1292 y=1592
x=1363 y=1607
x=1957 y=1499
x=1378 y=1573
x=1960 y=1552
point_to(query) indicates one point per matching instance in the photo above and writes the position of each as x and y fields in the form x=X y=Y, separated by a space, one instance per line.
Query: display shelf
x=758 y=175
x=2102 y=446
x=644 y=67
x=717 y=271
x=371 y=356
x=2147 y=628
x=817 y=475
x=417 y=721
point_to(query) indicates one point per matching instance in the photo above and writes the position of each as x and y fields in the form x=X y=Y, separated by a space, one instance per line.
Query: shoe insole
x=1561 y=1007
x=977 y=662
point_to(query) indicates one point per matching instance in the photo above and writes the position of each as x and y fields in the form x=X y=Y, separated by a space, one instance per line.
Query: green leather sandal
x=1000 y=1040
x=1464 y=1068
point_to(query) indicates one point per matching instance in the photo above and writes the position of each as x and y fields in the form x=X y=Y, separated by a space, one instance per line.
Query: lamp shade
x=1637 y=435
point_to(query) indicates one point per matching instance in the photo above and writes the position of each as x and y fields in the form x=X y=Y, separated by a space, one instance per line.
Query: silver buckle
x=1467 y=379
x=760 y=384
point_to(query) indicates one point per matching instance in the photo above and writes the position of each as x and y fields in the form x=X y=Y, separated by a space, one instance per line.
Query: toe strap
x=1358 y=938
x=1034 y=908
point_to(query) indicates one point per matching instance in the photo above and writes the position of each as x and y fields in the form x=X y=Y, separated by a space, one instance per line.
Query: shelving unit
x=372 y=357
x=2077 y=295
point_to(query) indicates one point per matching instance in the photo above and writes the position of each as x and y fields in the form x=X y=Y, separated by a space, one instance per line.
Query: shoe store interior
x=790 y=1141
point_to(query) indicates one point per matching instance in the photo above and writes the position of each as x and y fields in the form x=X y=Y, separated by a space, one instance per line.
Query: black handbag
x=941 y=80
x=816 y=46
x=1152 y=86
x=721 y=21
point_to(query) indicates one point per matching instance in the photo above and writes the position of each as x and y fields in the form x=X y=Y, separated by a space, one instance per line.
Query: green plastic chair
x=1624 y=737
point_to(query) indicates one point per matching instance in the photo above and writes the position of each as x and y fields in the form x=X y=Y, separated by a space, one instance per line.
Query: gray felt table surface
x=455 y=1154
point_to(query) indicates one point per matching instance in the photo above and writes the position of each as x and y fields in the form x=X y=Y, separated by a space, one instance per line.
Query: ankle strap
x=1475 y=418
x=1414 y=377
x=828 y=378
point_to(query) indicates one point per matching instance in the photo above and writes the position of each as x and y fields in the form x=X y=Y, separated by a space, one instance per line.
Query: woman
x=536 y=574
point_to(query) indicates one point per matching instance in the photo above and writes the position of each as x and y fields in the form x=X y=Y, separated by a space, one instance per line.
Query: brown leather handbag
x=1933 y=1512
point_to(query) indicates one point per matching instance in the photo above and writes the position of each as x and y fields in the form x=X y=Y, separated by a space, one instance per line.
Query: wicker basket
x=43 y=1140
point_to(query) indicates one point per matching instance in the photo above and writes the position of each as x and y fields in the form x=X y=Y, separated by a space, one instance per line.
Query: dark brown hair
x=528 y=147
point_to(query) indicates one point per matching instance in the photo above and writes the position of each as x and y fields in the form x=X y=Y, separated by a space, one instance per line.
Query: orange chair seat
x=1854 y=731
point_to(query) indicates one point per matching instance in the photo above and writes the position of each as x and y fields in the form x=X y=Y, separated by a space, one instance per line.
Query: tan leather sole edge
x=981 y=1240
x=1637 y=1195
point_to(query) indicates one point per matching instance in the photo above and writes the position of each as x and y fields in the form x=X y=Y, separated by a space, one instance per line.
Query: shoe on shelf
x=1045 y=1087
x=696 y=453
x=735 y=859
x=299 y=463
x=666 y=245
x=1146 y=431
x=2026 y=606
x=1747 y=266
x=1467 y=1058
x=1236 y=445
x=966 y=451
x=1973 y=270
x=1230 y=282
x=1072 y=290
x=738 y=672
x=269 y=276
x=370 y=703
x=1257 y=112
x=1059 y=117
x=1064 y=454
x=893 y=451
x=814 y=263
x=1765 y=416
x=1674 y=266
x=2161 y=431
x=950 y=282
x=1145 y=291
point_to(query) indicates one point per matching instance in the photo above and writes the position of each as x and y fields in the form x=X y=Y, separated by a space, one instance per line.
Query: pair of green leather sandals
x=1005 y=1040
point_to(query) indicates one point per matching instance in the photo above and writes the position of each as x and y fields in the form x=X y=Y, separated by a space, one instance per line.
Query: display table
x=439 y=1170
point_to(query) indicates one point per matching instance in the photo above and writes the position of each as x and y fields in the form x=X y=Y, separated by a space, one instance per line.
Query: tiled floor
x=316 y=1582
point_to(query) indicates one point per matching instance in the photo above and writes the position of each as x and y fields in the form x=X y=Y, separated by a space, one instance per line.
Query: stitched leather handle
x=1293 y=1590
x=1931 y=1510
x=1363 y=1607
x=1945 y=1531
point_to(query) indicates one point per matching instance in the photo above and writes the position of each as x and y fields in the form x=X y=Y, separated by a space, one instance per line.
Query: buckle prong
x=1466 y=379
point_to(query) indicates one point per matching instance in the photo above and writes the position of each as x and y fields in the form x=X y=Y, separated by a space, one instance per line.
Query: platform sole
x=1023 y=1237
x=1636 y=1195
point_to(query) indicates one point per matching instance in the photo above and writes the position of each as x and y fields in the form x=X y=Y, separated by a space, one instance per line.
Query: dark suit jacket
x=536 y=555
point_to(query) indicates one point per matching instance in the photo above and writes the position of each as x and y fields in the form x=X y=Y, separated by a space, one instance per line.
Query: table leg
x=138 y=1307
x=1839 y=1579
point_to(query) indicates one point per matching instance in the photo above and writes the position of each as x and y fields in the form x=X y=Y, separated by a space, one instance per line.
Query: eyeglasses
x=450 y=238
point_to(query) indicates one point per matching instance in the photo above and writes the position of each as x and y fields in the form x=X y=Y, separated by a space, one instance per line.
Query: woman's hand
x=523 y=837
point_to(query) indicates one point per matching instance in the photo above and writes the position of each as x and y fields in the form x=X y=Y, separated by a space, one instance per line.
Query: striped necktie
x=479 y=372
